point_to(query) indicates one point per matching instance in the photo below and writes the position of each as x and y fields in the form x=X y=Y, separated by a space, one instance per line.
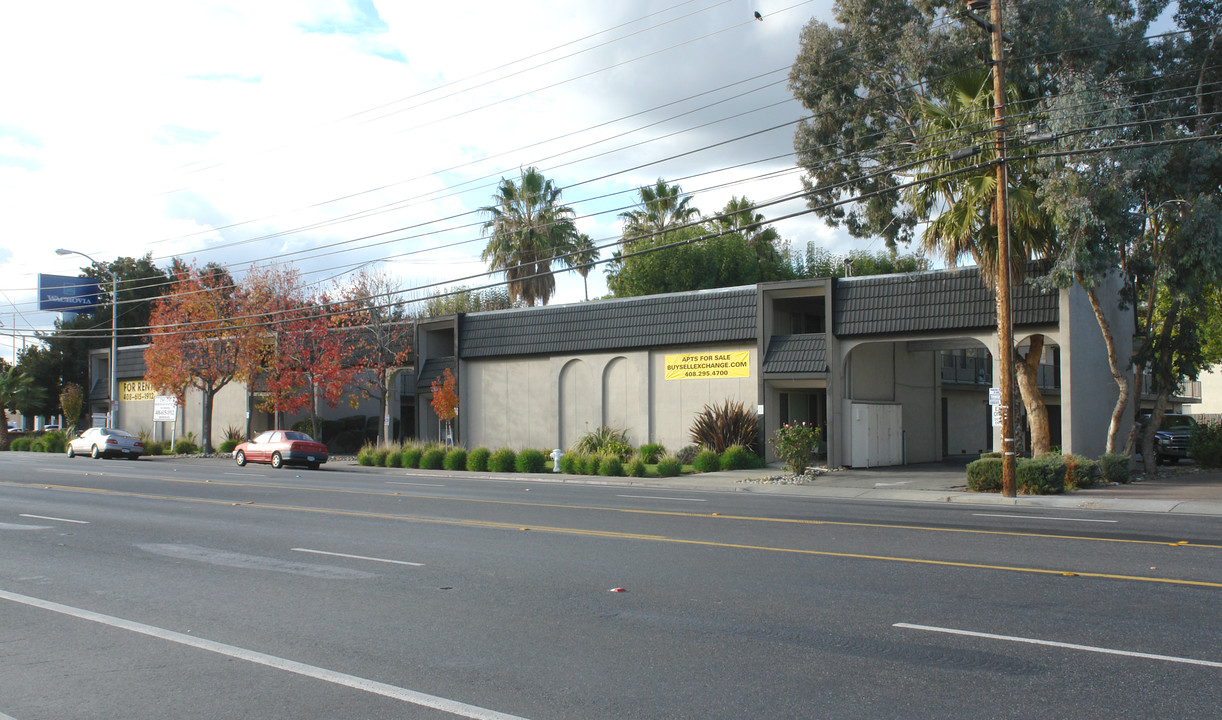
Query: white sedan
x=106 y=443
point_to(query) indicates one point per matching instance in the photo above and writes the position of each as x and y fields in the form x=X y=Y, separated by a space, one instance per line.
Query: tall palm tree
x=527 y=228
x=662 y=207
x=739 y=216
x=581 y=257
x=964 y=207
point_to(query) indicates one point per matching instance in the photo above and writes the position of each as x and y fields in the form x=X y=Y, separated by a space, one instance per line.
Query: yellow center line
x=677 y=513
x=634 y=536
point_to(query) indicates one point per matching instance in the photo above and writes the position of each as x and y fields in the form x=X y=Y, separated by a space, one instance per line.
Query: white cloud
x=151 y=126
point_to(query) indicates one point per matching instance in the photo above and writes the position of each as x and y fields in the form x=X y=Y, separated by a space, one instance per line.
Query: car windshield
x=1177 y=422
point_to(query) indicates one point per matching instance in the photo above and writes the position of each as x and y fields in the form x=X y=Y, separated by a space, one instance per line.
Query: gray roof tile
x=796 y=354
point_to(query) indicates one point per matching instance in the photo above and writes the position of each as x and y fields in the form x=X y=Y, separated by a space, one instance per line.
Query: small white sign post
x=165 y=409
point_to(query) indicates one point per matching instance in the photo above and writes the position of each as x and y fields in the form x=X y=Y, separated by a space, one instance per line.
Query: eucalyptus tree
x=528 y=228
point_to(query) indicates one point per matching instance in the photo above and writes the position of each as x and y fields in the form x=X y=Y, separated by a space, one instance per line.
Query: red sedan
x=280 y=448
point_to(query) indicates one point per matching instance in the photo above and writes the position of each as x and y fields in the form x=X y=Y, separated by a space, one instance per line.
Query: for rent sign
x=135 y=390
x=704 y=366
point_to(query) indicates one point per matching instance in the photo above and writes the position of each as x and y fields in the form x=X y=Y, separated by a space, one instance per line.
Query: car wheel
x=71 y=452
x=240 y=458
x=277 y=461
x=95 y=453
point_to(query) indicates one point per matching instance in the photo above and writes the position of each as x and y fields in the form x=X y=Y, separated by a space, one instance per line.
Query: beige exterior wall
x=549 y=402
x=1211 y=394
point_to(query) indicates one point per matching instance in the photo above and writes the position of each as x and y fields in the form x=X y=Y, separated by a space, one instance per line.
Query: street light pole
x=114 y=335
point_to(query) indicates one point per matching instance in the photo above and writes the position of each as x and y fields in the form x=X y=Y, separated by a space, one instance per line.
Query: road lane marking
x=14 y=526
x=1067 y=646
x=246 y=474
x=243 y=561
x=393 y=482
x=253 y=656
x=358 y=557
x=1042 y=517
x=661 y=538
x=659 y=497
x=45 y=517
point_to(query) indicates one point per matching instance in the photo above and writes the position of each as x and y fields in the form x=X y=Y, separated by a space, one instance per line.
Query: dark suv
x=1171 y=438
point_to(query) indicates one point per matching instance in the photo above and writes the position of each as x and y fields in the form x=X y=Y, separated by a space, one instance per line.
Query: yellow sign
x=698 y=366
x=132 y=390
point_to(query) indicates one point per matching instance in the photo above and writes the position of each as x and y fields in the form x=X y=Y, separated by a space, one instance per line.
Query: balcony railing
x=1188 y=391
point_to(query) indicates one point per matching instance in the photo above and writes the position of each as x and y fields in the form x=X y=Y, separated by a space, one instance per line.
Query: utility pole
x=1005 y=320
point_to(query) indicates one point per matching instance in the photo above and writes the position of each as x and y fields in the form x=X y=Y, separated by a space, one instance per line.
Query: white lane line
x=358 y=557
x=13 y=526
x=336 y=678
x=1042 y=517
x=392 y=482
x=659 y=497
x=1067 y=646
x=47 y=517
x=6 y=717
x=238 y=474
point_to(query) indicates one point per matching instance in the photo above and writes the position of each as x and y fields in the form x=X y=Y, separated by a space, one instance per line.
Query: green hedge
x=611 y=466
x=669 y=466
x=432 y=458
x=706 y=461
x=456 y=459
x=1205 y=445
x=1080 y=472
x=477 y=459
x=984 y=475
x=636 y=467
x=1114 y=467
x=1042 y=475
x=503 y=461
x=530 y=461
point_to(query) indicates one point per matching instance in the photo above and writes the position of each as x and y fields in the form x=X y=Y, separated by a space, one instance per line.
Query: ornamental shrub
x=432 y=458
x=650 y=452
x=183 y=446
x=687 y=454
x=1041 y=475
x=502 y=461
x=604 y=441
x=21 y=443
x=1114 y=467
x=530 y=461
x=364 y=456
x=1205 y=445
x=226 y=446
x=477 y=459
x=707 y=461
x=155 y=448
x=669 y=466
x=380 y=453
x=636 y=467
x=718 y=427
x=456 y=459
x=737 y=457
x=55 y=441
x=394 y=456
x=610 y=466
x=571 y=463
x=1080 y=472
x=990 y=456
x=795 y=443
x=409 y=457
x=984 y=475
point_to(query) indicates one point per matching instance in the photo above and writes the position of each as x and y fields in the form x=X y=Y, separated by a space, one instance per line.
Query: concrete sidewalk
x=1175 y=490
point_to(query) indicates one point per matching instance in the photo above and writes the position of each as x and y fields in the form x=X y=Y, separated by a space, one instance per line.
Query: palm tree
x=581 y=258
x=17 y=389
x=662 y=207
x=528 y=227
x=964 y=209
x=739 y=216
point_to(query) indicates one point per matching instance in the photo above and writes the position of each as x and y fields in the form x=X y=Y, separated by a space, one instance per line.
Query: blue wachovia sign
x=60 y=293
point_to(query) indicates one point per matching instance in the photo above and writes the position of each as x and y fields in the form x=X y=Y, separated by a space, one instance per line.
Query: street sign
x=994 y=396
x=996 y=416
x=165 y=408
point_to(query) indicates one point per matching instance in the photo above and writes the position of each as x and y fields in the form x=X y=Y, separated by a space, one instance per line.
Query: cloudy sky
x=332 y=134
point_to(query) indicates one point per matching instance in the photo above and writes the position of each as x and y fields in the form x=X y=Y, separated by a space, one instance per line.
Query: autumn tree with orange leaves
x=200 y=336
x=445 y=398
x=303 y=357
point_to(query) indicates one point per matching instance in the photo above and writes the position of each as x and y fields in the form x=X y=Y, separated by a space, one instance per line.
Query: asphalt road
x=163 y=589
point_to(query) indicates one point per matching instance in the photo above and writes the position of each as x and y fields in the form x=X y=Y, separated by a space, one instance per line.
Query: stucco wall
x=1088 y=391
x=545 y=402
